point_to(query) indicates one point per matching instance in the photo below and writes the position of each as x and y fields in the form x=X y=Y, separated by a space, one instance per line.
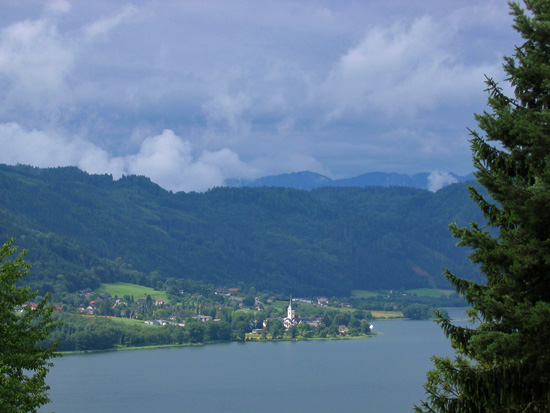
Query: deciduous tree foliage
x=24 y=362
x=504 y=362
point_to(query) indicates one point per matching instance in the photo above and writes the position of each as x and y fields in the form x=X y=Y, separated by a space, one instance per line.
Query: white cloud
x=166 y=158
x=403 y=69
x=34 y=63
x=104 y=25
x=36 y=147
x=437 y=180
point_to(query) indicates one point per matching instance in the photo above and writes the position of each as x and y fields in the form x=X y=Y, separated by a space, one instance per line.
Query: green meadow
x=431 y=292
x=121 y=289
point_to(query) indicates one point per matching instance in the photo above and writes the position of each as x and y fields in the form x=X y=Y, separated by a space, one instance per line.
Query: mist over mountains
x=310 y=180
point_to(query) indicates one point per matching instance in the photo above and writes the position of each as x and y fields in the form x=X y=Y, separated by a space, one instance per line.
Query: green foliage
x=504 y=362
x=82 y=230
x=24 y=361
x=417 y=312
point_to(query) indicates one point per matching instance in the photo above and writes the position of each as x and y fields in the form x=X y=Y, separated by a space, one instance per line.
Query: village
x=159 y=312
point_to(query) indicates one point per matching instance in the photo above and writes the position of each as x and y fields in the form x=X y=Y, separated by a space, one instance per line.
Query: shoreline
x=252 y=340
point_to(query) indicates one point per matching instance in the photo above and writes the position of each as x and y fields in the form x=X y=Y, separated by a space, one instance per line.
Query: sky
x=191 y=93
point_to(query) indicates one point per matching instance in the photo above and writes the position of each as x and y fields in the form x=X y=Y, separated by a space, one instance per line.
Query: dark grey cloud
x=193 y=92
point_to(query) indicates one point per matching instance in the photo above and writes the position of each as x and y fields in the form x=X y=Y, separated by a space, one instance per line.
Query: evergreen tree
x=23 y=360
x=503 y=363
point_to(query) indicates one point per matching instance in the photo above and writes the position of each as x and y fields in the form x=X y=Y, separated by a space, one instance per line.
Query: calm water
x=381 y=374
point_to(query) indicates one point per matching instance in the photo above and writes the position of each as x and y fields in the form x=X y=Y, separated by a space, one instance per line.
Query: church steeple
x=290 y=313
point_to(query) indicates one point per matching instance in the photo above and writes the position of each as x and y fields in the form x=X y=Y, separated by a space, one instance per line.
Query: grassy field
x=386 y=314
x=138 y=291
x=280 y=305
x=364 y=293
x=122 y=320
x=430 y=292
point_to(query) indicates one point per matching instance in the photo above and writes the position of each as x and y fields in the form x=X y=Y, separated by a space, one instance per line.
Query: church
x=290 y=319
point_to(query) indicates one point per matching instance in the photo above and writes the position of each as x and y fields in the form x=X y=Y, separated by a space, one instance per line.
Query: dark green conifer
x=503 y=363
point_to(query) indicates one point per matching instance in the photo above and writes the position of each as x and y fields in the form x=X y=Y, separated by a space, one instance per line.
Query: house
x=312 y=321
x=342 y=330
x=322 y=301
x=87 y=311
x=160 y=302
x=302 y=300
x=156 y=322
x=203 y=318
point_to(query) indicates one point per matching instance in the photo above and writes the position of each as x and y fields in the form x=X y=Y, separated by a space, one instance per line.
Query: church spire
x=290 y=314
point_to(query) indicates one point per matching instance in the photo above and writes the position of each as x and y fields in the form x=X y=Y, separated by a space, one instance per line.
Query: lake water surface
x=384 y=373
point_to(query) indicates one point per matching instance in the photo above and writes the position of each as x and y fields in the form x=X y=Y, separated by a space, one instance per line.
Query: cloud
x=437 y=180
x=34 y=63
x=58 y=6
x=104 y=25
x=334 y=87
x=403 y=69
x=166 y=158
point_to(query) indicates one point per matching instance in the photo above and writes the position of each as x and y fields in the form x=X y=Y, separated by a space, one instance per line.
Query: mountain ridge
x=81 y=230
x=307 y=180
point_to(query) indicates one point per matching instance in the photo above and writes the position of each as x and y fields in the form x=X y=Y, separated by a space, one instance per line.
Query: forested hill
x=83 y=229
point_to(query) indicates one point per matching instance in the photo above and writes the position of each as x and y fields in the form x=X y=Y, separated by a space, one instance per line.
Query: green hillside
x=82 y=230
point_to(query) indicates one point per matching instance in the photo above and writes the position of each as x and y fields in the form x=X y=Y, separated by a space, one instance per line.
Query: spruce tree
x=503 y=362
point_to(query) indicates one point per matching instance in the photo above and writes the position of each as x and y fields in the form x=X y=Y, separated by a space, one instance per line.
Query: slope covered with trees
x=83 y=229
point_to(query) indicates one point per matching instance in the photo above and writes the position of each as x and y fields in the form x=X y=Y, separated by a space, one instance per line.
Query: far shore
x=249 y=340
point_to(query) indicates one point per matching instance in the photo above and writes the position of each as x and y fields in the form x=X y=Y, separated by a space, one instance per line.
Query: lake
x=384 y=373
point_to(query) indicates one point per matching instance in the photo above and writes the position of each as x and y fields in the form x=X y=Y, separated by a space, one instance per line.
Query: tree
x=293 y=330
x=503 y=363
x=24 y=362
x=417 y=312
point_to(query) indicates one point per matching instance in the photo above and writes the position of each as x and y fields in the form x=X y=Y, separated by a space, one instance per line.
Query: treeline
x=81 y=333
x=78 y=333
x=83 y=229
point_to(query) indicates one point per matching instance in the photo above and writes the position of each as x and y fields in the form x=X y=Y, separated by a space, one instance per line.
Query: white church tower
x=290 y=312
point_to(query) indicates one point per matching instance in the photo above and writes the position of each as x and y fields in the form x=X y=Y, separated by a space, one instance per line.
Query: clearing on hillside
x=138 y=291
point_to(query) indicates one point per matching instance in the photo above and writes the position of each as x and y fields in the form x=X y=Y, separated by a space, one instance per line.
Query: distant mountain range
x=310 y=180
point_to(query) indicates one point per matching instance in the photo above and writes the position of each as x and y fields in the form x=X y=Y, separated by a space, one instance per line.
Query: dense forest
x=81 y=230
